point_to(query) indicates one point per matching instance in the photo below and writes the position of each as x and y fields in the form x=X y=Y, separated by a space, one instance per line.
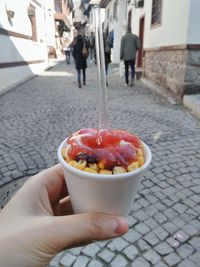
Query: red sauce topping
x=112 y=148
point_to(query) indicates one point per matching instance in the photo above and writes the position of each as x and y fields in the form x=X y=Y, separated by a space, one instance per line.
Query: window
x=31 y=14
x=115 y=10
x=156 y=12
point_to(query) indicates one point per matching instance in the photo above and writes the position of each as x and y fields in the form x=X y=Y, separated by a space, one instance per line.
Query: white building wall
x=91 y=20
x=21 y=22
x=193 y=35
x=119 y=29
x=174 y=23
x=10 y=77
x=16 y=49
x=117 y=25
x=107 y=21
x=136 y=14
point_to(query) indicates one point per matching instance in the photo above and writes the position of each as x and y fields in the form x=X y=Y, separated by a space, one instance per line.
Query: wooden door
x=141 y=37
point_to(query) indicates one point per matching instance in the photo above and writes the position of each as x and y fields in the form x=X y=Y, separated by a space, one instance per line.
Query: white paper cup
x=91 y=192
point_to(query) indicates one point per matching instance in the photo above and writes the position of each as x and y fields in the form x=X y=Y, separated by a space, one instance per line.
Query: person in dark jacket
x=80 y=59
x=129 y=45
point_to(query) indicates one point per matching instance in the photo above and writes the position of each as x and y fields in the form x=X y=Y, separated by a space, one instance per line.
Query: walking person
x=67 y=51
x=80 y=53
x=129 y=45
x=92 y=46
x=72 y=45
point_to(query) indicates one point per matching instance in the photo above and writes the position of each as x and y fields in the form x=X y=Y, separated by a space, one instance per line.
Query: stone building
x=171 y=43
x=27 y=31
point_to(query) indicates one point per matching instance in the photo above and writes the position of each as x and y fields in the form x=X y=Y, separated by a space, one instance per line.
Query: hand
x=38 y=222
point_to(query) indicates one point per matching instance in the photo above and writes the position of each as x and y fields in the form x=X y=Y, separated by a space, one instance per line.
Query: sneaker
x=126 y=85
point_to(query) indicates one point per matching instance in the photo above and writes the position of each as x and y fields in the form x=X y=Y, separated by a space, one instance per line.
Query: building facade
x=169 y=33
x=27 y=30
x=63 y=25
x=115 y=22
x=171 y=43
x=90 y=26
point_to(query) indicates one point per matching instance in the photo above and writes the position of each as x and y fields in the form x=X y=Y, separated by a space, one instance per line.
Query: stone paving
x=165 y=216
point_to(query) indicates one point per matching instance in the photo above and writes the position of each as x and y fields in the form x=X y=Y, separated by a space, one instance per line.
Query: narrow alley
x=164 y=221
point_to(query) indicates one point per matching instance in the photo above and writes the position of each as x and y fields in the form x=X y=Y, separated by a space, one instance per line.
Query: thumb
x=80 y=228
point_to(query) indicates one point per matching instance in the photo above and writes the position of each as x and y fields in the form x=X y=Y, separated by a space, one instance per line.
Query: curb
x=29 y=77
x=192 y=102
x=10 y=87
x=154 y=88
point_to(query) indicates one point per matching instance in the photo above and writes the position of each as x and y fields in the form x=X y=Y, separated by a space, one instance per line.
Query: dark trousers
x=79 y=75
x=106 y=68
x=130 y=63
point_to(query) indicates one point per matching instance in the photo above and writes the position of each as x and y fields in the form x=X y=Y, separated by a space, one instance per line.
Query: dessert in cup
x=103 y=169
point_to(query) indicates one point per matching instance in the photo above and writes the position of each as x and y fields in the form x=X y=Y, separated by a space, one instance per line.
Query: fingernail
x=115 y=226
x=122 y=227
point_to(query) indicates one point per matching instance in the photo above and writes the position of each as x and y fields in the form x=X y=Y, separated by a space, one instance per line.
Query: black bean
x=92 y=159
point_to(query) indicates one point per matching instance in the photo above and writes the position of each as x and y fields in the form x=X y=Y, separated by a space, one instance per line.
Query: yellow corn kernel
x=94 y=166
x=134 y=165
x=80 y=165
x=101 y=165
x=104 y=171
x=140 y=160
x=65 y=153
x=72 y=162
x=141 y=145
x=118 y=169
x=87 y=169
x=139 y=152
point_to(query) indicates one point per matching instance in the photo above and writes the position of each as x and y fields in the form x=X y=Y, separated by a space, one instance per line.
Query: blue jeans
x=91 y=53
x=79 y=75
x=130 y=63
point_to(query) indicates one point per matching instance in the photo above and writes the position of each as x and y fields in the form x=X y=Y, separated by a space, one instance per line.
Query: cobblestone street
x=165 y=217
